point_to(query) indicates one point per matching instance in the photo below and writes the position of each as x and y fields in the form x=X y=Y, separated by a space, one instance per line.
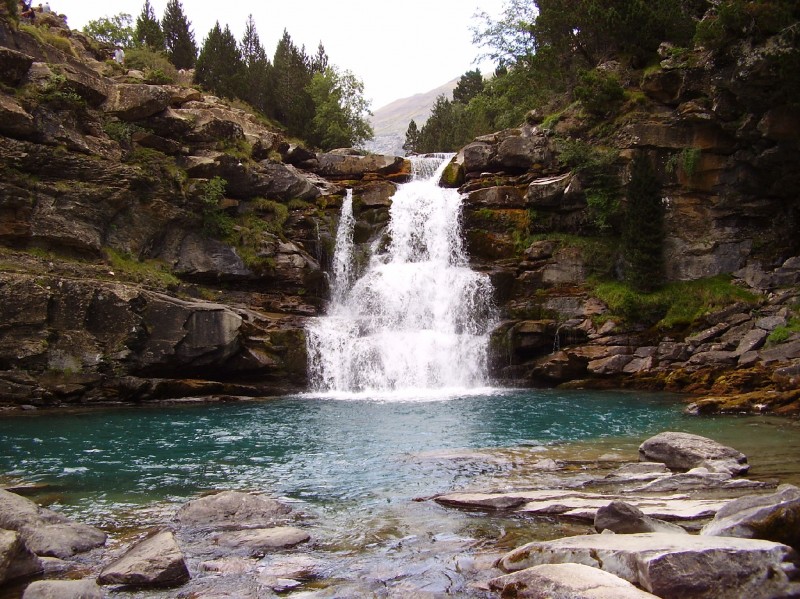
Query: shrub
x=155 y=65
x=599 y=92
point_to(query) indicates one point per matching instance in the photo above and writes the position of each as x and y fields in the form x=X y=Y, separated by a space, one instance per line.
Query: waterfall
x=416 y=318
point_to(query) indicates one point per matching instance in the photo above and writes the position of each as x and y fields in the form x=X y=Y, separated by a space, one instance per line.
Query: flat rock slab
x=46 y=532
x=63 y=589
x=674 y=566
x=156 y=561
x=584 y=506
x=260 y=541
x=684 y=451
x=231 y=510
x=565 y=581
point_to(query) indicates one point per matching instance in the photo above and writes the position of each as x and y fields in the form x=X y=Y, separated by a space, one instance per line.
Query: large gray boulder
x=156 y=561
x=684 y=451
x=674 y=566
x=63 y=589
x=136 y=101
x=16 y=559
x=231 y=510
x=624 y=518
x=773 y=517
x=46 y=532
x=565 y=581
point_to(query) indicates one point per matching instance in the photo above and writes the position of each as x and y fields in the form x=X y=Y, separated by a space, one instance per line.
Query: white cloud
x=397 y=48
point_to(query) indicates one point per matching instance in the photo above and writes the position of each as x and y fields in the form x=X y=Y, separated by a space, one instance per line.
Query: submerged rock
x=257 y=542
x=231 y=510
x=156 y=561
x=683 y=451
x=46 y=532
x=674 y=566
x=565 y=581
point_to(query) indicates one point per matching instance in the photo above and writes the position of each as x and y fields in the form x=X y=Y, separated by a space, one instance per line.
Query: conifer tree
x=178 y=36
x=469 y=85
x=257 y=70
x=412 y=137
x=643 y=228
x=148 y=31
x=320 y=61
x=219 y=66
x=293 y=104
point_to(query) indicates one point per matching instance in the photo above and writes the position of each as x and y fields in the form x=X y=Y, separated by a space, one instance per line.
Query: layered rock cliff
x=158 y=242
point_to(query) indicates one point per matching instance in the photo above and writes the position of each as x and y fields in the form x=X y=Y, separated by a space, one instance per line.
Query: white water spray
x=417 y=320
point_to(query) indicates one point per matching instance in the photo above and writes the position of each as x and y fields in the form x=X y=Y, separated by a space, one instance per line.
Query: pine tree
x=257 y=70
x=219 y=66
x=148 y=31
x=178 y=36
x=294 y=107
x=469 y=85
x=412 y=138
x=643 y=228
x=320 y=61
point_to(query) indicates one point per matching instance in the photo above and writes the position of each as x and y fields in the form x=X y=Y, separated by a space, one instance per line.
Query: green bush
x=216 y=223
x=155 y=65
x=599 y=92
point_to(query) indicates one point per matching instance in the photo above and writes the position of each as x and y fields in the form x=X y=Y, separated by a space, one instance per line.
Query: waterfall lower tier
x=417 y=318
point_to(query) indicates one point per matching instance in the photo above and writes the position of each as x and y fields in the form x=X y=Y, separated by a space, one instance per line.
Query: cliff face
x=154 y=241
x=157 y=242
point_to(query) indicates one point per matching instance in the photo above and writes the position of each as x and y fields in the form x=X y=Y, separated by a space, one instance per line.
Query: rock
x=565 y=581
x=517 y=152
x=135 y=101
x=13 y=65
x=14 y=120
x=46 y=532
x=751 y=341
x=256 y=542
x=640 y=471
x=547 y=192
x=16 y=559
x=63 y=589
x=624 y=518
x=683 y=451
x=698 y=478
x=337 y=166
x=674 y=566
x=476 y=157
x=231 y=510
x=774 y=517
x=156 y=561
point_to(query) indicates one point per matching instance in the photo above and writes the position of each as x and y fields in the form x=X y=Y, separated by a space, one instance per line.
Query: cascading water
x=416 y=320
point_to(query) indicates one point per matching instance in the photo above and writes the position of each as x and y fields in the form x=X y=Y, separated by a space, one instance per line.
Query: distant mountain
x=391 y=121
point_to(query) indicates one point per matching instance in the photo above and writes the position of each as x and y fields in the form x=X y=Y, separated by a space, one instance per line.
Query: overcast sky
x=397 y=49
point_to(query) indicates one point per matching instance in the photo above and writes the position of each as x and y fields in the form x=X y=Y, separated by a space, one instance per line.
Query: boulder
x=14 y=120
x=257 y=542
x=476 y=157
x=624 y=518
x=16 y=559
x=699 y=478
x=774 y=517
x=565 y=581
x=46 y=532
x=338 y=166
x=547 y=192
x=231 y=510
x=156 y=561
x=674 y=566
x=13 y=65
x=683 y=451
x=135 y=101
x=63 y=589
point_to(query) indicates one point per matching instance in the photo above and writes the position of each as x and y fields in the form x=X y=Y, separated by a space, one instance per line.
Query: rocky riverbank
x=683 y=522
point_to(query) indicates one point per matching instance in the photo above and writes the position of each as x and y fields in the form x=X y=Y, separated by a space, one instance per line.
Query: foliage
x=219 y=66
x=599 y=92
x=215 y=222
x=688 y=159
x=734 y=20
x=116 y=30
x=121 y=131
x=674 y=305
x=178 y=36
x=782 y=333
x=12 y=9
x=58 y=95
x=340 y=110
x=643 y=228
x=148 y=272
x=148 y=30
x=154 y=65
